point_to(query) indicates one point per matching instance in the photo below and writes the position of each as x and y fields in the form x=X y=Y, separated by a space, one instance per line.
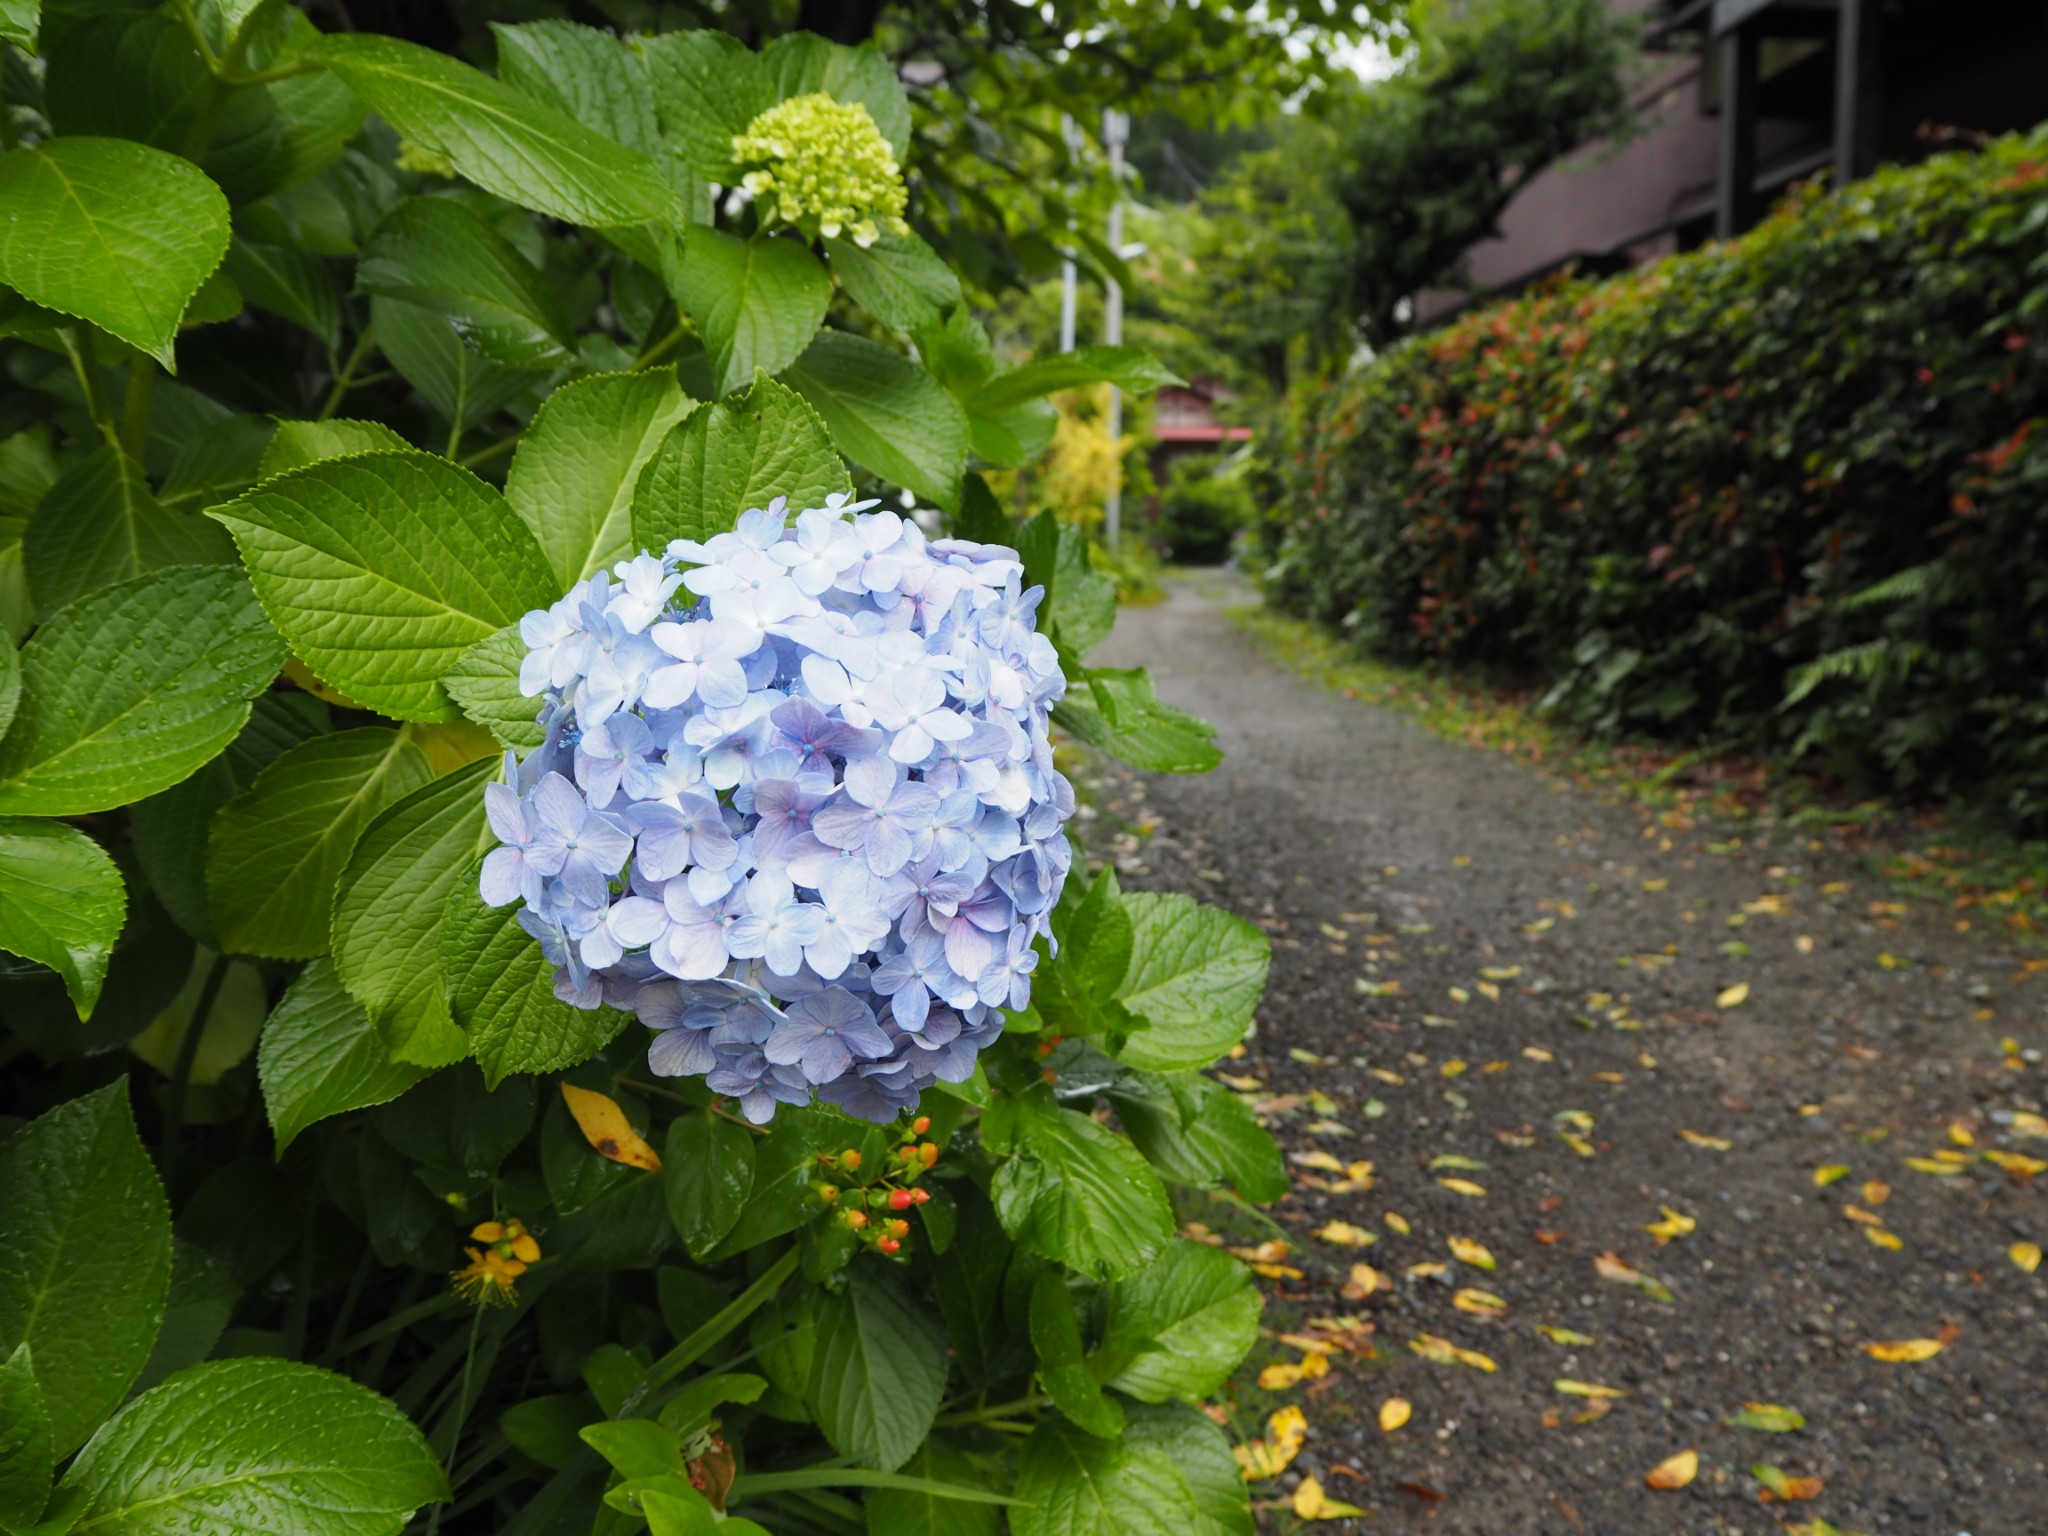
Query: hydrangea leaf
x=132 y=687
x=885 y=413
x=784 y=1195
x=61 y=903
x=506 y=142
x=1131 y=369
x=927 y=1510
x=1197 y=1132
x=293 y=284
x=1063 y=1366
x=737 y=454
x=320 y=1056
x=80 y=1203
x=100 y=524
x=484 y=682
x=27 y=1459
x=593 y=76
x=1069 y=1483
x=799 y=63
x=435 y=253
x=110 y=231
x=251 y=1445
x=384 y=568
x=278 y=848
x=1180 y=1327
x=453 y=1122
x=573 y=477
x=463 y=386
x=18 y=21
x=501 y=991
x=878 y=1368
x=1117 y=710
x=387 y=912
x=1076 y=1192
x=1196 y=1446
x=296 y=444
x=1197 y=973
x=707 y=1174
x=10 y=682
x=202 y=1298
x=757 y=303
x=899 y=279
x=708 y=86
x=1075 y=990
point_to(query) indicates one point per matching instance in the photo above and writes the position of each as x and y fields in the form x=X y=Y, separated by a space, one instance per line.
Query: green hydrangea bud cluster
x=823 y=166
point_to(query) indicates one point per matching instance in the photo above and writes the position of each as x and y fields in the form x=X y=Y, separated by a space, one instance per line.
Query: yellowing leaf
x=1463 y=1187
x=2026 y=1255
x=1457 y=1163
x=1612 y=1266
x=1280 y=1376
x=1364 y=1281
x=1469 y=1252
x=1674 y=1224
x=1396 y=1222
x=1771 y=1418
x=1479 y=1303
x=1394 y=1412
x=1500 y=972
x=1940 y=1169
x=605 y=1127
x=1585 y=1389
x=448 y=747
x=2016 y=1164
x=2027 y=1123
x=1444 y=1352
x=1710 y=1143
x=1876 y=1192
x=1286 y=1430
x=1676 y=1472
x=1311 y=1503
x=1537 y=1053
x=1904 y=1351
x=1320 y=1160
x=1345 y=1235
x=1426 y=1271
x=1242 y=1084
x=1732 y=997
x=1566 y=1336
x=1890 y=1241
x=1834 y=1173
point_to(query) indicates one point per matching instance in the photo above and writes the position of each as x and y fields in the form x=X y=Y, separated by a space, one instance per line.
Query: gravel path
x=1473 y=961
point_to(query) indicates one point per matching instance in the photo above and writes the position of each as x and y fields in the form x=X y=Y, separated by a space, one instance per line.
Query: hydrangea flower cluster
x=822 y=166
x=796 y=805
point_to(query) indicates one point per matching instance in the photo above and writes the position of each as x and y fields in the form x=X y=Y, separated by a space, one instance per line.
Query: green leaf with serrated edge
x=132 y=687
x=80 y=1203
x=10 y=682
x=453 y=1122
x=593 y=76
x=196 y=1312
x=278 y=848
x=112 y=232
x=1063 y=1358
x=958 y=352
x=253 y=1445
x=799 y=63
x=463 y=386
x=1200 y=1452
x=713 y=1174
x=1076 y=1192
x=899 y=279
x=730 y=457
x=708 y=86
x=501 y=991
x=757 y=303
x=320 y=1056
x=501 y=139
x=1196 y=976
x=1117 y=711
x=1081 y=604
x=100 y=524
x=785 y=1176
x=27 y=1458
x=572 y=479
x=886 y=413
x=1069 y=1483
x=1197 y=1132
x=293 y=284
x=1131 y=369
x=388 y=906
x=484 y=683
x=296 y=444
x=929 y=1509
x=877 y=1370
x=382 y=569
x=635 y=1447
x=433 y=252
x=61 y=903
x=18 y=19
x=1180 y=1327
x=1075 y=990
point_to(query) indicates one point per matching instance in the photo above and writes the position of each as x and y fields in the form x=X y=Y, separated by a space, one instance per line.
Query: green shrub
x=1201 y=510
x=1783 y=492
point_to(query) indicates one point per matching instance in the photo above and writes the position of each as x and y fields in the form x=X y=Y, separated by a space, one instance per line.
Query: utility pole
x=1115 y=128
x=1068 y=293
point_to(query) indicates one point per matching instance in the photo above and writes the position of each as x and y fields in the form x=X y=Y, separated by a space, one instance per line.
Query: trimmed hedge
x=1789 y=492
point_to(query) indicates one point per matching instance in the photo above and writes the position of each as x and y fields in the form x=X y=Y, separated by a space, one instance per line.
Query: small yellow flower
x=492 y=1269
x=822 y=166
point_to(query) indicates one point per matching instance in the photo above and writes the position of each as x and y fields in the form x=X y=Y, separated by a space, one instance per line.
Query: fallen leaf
x=1463 y=1187
x=2016 y=1164
x=2026 y=1123
x=1468 y=1252
x=1320 y=1160
x=1444 y=1352
x=605 y=1126
x=1396 y=1222
x=1479 y=1303
x=1394 y=1412
x=1586 y=1389
x=1537 y=1053
x=2026 y=1255
x=1904 y=1351
x=1676 y=1472
x=1834 y=1173
x=1426 y=1271
x=1566 y=1336
x=1781 y=1488
x=1612 y=1266
x=1710 y=1143
x=1364 y=1281
x=1453 y=1161
x=1939 y=1168
x=1345 y=1235
x=1422 y=1491
x=1732 y=997
x=1272 y=1251
x=1867 y=1218
x=1286 y=1431
x=1311 y=1503
x=1876 y=1192
x=1771 y=1418
x=1284 y=1374
x=1890 y=1241
x=1674 y=1224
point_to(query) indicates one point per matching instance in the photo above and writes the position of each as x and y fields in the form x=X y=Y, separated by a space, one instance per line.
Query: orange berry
x=889 y=1245
x=856 y=1219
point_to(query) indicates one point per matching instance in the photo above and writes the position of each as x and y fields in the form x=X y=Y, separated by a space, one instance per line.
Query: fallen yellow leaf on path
x=605 y=1126
x=1280 y=1376
x=1469 y=1252
x=1394 y=1412
x=1676 y=1472
x=1572 y=1388
x=1940 y=1169
x=1319 y=1160
x=2026 y=1255
x=1674 y=1224
x=2017 y=1164
x=1364 y=1281
x=1479 y=1303
x=1904 y=1351
x=1710 y=1143
x=1558 y=1335
x=1833 y=1173
x=1311 y=1503
x=1771 y=1418
x=1286 y=1431
x=1464 y=1187
x=1889 y=1241
x=1732 y=997
x=1876 y=1192
x=1444 y=1352
x=1345 y=1235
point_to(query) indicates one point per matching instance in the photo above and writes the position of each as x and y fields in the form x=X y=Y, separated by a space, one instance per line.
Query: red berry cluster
x=892 y=1188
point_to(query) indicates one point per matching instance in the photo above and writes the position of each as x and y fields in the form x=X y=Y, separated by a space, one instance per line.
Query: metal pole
x=1067 y=274
x=1114 y=127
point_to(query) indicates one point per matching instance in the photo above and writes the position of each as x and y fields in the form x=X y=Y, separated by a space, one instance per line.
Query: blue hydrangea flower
x=796 y=807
